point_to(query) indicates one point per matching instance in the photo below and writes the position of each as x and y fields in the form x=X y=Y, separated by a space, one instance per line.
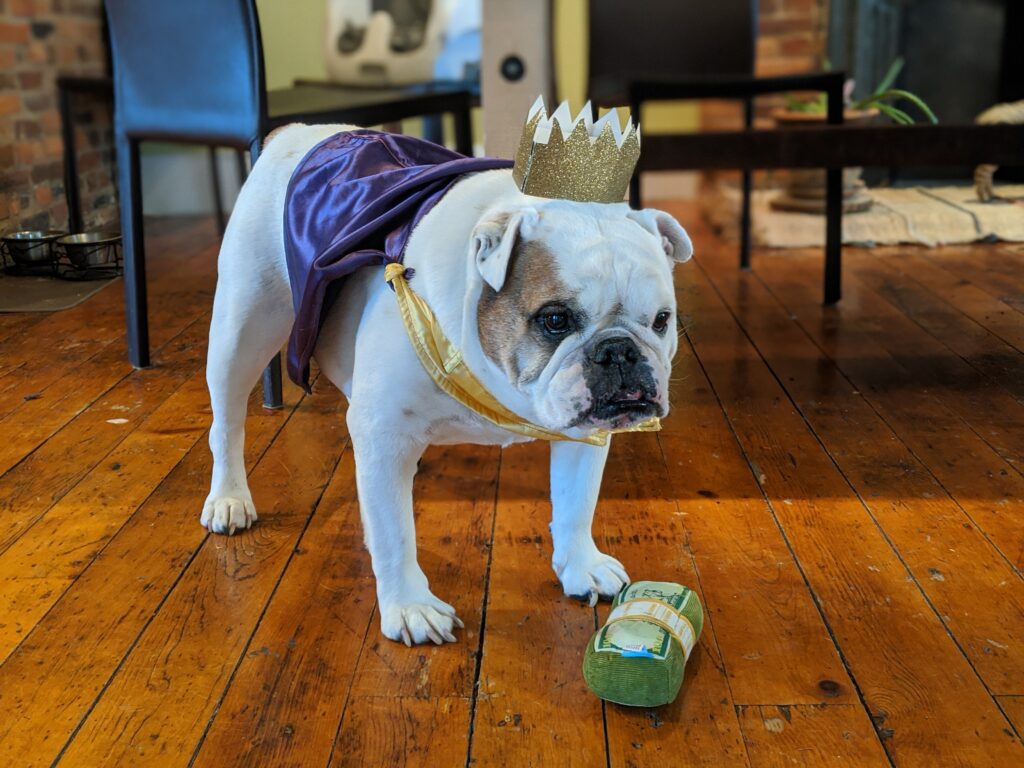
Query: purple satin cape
x=352 y=202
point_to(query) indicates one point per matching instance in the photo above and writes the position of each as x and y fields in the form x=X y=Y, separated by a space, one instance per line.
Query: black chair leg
x=634 y=191
x=273 y=396
x=464 y=129
x=745 y=222
x=273 y=393
x=133 y=248
x=243 y=171
x=218 y=203
x=833 y=234
x=748 y=123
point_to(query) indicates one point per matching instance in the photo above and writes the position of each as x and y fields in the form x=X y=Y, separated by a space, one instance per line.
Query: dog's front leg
x=585 y=571
x=385 y=468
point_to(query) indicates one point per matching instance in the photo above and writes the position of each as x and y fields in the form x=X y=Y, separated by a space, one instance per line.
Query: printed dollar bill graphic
x=637 y=658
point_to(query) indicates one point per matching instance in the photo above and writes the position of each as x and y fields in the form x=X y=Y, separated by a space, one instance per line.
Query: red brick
x=44 y=194
x=781 y=25
x=53 y=146
x=795 y=45
x=25 y=151
x=798 y=7
x=40 y=53
x=6 y=58
x=38 y=102
x=49 y=121
x=9 y=103
x=29 y=80
x=13 y=32
x=22 y=7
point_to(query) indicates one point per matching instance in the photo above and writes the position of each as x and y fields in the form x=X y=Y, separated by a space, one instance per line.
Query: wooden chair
x=192 y=71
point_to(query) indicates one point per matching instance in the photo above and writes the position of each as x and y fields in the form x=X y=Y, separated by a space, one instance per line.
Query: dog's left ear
x=674 y=240
x=494 y=239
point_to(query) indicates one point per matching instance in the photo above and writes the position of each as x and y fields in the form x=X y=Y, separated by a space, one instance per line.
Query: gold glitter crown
x=576 y=159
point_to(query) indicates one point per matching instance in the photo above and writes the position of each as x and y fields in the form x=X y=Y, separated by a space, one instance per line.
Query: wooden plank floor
x=844 y=488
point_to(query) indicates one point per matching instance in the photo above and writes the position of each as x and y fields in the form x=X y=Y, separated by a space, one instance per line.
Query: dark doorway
x=961 y=56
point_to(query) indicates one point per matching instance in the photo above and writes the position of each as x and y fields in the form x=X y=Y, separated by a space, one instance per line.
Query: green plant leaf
x=915 y=100
x=894 y=114
x=890 y=76
x=896 y=93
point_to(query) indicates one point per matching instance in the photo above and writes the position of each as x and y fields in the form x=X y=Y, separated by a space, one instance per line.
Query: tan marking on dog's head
x=505 y=318
x=273 y=134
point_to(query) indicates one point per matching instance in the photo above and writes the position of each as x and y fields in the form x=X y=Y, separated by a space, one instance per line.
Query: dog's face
x=578 y=308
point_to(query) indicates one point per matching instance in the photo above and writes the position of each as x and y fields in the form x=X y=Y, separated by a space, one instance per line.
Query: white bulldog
x=564 y=311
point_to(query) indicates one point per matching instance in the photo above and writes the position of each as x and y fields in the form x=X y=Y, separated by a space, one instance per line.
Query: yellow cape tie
x=443 y=361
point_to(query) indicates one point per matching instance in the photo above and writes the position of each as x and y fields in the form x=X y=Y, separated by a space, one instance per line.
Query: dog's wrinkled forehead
x=596 y=247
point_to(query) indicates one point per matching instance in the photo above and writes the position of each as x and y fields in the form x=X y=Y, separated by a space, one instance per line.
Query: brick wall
x=40 y=39
x=791 y=38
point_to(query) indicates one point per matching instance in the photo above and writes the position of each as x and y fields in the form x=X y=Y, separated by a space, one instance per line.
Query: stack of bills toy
x=637 y=657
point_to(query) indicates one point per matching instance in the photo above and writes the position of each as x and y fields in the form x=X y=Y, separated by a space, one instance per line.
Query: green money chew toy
x=637 y=657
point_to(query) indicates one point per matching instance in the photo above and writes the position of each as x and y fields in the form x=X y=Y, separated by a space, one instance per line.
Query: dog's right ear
x=494 y=239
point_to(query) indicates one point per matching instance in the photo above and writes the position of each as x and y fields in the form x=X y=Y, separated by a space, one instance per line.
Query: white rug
x=921 y=215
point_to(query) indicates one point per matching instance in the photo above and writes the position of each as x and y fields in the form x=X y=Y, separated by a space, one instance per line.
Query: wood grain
x=843 y=486
x=773 y=641
x=55 y=676
x=638 y=523
x=929 y=419
x=984 y=351
x=827 y=735
x=961 y=296
x=995 y=270
x=533 y=707
x=37 y=568
x=454 y=497
x=29 y=489
x=166 y=689
x=1013 y=706
x=404 y=731
x=286 y=698
x=901 y=669
x=951 y=560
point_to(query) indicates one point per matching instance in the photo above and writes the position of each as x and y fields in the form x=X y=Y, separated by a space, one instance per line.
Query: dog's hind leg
x=252 y=315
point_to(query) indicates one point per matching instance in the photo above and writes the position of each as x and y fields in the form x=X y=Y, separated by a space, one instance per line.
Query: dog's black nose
x=619 y=351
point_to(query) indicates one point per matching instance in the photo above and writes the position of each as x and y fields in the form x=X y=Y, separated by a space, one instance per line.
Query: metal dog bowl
x=91 y=249
x=31 y=248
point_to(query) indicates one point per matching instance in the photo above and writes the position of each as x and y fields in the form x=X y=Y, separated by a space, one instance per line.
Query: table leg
x=833 y=234
x=748 y=122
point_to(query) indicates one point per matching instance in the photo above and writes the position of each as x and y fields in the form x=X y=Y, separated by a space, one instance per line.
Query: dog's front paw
x=590 y=574
x=227 y=514
x=419 y=619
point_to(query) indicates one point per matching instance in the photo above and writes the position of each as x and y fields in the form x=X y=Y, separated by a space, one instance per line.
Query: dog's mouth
x=624 y=407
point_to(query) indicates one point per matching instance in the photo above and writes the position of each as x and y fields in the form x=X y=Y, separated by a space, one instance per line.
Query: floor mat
x=922 y=215
x=45 y=294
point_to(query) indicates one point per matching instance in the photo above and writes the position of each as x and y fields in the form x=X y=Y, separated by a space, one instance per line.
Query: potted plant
x=805 y=189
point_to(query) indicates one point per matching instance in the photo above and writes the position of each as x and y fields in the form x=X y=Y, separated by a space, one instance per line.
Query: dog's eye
x=661 y=321
x=555 y=321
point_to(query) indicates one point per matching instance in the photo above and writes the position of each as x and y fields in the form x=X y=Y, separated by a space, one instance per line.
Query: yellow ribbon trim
x=443 y=361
